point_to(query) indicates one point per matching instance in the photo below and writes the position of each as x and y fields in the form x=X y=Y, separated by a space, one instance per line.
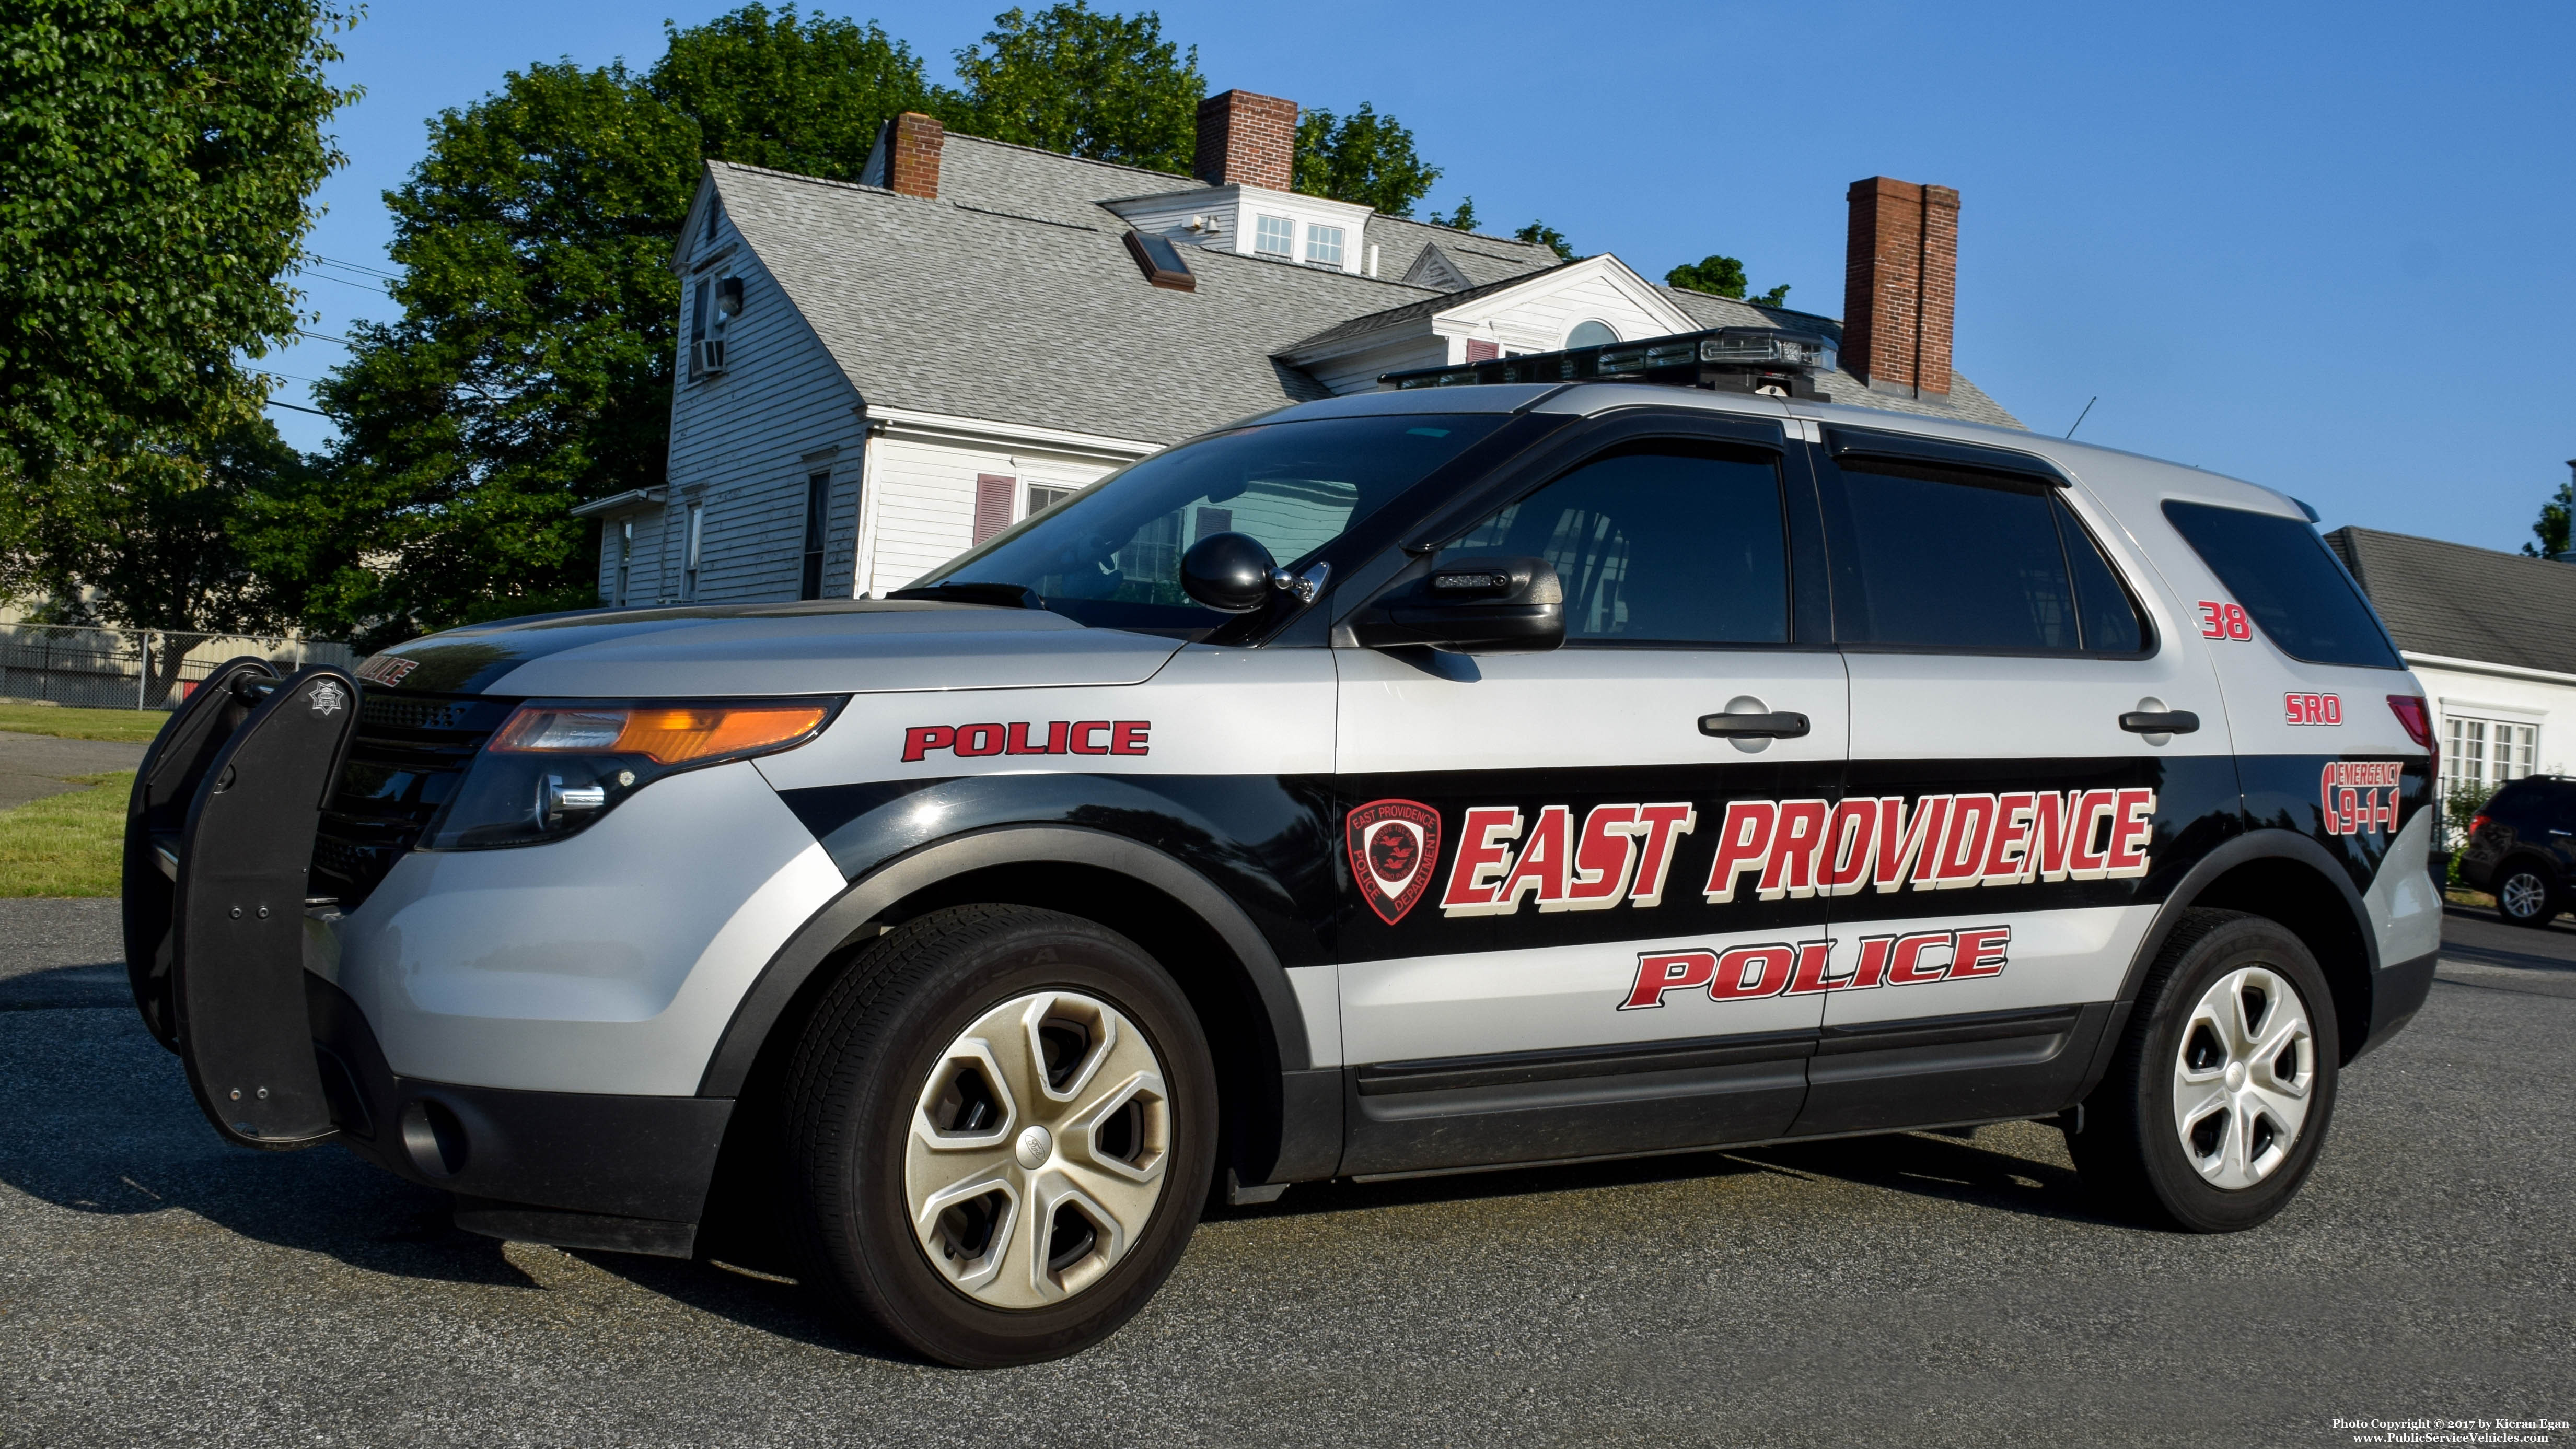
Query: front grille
x=410 y=752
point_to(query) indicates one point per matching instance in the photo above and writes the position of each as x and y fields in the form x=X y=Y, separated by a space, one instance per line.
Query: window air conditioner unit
x=711 y=355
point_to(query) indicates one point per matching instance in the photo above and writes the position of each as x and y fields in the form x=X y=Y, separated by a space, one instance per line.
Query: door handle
x=2166 y=722
x=1778 y=725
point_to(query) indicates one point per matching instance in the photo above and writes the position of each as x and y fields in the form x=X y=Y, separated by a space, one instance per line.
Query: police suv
x=1531 y=762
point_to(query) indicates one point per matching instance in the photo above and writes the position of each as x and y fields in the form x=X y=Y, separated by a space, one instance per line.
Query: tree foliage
x=1086 y=83
x=2553 y=527
x=1542 y=234
x=532 y=367
x=1721 y=276
x=157 y=161
x=1461 y=217
x=1362 y=157
x=144 y=529
x=767 y=89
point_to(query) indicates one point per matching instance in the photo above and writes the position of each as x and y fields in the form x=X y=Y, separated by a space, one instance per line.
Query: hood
x=835 y=647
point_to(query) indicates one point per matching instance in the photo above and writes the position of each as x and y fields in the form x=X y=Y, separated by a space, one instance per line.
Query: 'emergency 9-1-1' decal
x=1790 y=849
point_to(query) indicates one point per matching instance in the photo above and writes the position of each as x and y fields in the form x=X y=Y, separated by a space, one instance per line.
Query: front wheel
x=2213 y=1111
x=1002 y=1123
x=2524 y=895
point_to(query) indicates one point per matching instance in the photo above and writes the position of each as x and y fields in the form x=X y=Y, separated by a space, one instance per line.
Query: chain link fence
x=135 y=668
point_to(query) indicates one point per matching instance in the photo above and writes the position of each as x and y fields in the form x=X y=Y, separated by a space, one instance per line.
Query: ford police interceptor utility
x=1530 y=762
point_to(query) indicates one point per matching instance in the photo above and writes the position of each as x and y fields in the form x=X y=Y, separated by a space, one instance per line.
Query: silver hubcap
x=2522 y=895
x=2242 y=1078
x=1038 y=1149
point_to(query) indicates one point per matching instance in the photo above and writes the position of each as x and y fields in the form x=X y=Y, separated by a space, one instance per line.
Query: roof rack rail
x=1771 y=361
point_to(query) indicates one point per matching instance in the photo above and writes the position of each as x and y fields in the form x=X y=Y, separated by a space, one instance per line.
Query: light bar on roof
x=1768 y=360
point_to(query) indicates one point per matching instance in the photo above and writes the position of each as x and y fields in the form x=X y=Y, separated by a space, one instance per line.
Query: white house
x=877 y=375
x=2493 y=637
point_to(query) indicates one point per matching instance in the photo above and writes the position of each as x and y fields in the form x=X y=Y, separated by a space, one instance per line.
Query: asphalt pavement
x=35 y=766
x=157 y=1286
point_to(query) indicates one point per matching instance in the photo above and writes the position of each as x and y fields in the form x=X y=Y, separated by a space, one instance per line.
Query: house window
x=1274 y=236
x=818 y=502
x=1043 y=496
x=1324 y=245
x=1210 y=520
x=1594 y=333
x=995 y=493
x=692 y=548
x=625 y=560
x=2480 y=754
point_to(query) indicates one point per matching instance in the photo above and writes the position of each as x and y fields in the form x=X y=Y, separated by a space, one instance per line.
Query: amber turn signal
x=664 y=734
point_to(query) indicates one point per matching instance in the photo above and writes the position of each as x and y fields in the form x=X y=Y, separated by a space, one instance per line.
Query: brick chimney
x=912 y=155
x=1247 y=139
x=1901 y=285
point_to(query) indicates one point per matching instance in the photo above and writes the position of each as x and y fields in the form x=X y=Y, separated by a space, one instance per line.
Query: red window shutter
x=994 y=494
x=1483 y=351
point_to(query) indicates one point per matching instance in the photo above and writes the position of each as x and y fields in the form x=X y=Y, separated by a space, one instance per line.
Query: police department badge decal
x=1395 y=847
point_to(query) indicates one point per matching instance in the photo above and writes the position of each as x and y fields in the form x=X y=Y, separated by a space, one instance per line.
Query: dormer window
x=1324 y=245
x=1274 y=236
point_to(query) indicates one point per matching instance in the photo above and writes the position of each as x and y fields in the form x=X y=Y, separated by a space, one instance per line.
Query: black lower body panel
x=1553 y=1106
x=2395 y=996
x=1982 y=1068
x=577 y=1169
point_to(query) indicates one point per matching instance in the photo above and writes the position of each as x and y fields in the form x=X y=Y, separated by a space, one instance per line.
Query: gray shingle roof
x=2466 y=603
x=945 y=308
x=1012 y=297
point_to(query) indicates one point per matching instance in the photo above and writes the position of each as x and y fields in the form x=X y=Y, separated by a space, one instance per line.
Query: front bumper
x=582 y=1170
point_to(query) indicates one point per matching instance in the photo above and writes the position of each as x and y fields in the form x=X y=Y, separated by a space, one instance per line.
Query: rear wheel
x=2524 y=894
x=2214 y=1109
x=1001 y=1123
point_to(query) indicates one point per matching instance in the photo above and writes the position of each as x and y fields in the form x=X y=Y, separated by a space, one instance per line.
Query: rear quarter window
x=2287 y=579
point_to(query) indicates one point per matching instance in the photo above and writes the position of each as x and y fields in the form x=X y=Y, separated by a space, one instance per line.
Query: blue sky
x=2326 y=247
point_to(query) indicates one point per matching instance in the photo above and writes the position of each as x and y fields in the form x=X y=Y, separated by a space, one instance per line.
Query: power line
x=325 y=337
x=345 y=282
x=354 y=267
x=291 y=407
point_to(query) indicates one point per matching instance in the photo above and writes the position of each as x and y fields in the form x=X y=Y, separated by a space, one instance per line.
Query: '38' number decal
x=2224 y=621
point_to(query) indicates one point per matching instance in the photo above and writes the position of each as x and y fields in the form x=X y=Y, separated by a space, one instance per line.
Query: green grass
x=135 y=726
x=68 y=845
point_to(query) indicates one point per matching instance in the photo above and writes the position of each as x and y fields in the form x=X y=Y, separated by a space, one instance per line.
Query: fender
x=2251 y=846
x=870 y=895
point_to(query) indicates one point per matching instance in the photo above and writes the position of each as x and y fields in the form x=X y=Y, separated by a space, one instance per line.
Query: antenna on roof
x=2080 y=417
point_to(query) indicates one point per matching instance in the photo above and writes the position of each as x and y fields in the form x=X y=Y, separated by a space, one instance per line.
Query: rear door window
x=1941 y=557
x=2287 y=579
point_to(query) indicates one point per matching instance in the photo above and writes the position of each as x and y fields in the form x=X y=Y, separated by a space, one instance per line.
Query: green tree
x=144 y=530
x=157 y=160
x=1461 y=217
x=1083 y=82
x=531 y=370
x=2553 y=527
x=1542 y=234
x=1362 y=157
x=768 y=90
x=1722 y=277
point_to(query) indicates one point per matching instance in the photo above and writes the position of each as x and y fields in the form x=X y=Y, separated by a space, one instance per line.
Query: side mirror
x=1481 y=605
x=1229 y=572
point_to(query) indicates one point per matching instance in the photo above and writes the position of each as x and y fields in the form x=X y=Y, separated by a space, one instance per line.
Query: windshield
x=1110 y=555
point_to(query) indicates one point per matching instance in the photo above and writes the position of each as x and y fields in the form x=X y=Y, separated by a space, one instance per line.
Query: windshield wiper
x=1008 y=596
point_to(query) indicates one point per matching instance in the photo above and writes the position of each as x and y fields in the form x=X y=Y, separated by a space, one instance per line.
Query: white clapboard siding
x=925 y=499
x=1359 y=371
x=742 y=444
x=1537 y=319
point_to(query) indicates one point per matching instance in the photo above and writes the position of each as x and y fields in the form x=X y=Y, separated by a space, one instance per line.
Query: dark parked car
x=2522 y=847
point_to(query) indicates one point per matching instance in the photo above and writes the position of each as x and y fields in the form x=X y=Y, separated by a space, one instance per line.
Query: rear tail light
x=2477 y=823
x=2418 y=721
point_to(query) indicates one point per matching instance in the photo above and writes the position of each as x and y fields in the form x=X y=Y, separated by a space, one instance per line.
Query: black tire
x=2132 y=1150
x=2525 y=894
x=861 y=1068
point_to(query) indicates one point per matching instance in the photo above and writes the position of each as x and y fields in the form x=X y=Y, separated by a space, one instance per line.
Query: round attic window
x=1591 y=334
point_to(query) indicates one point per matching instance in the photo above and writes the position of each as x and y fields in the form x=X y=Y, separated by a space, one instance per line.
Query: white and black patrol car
x=1493 y=769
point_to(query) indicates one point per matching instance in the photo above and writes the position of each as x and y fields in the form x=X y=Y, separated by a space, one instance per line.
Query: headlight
x=555 y=766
